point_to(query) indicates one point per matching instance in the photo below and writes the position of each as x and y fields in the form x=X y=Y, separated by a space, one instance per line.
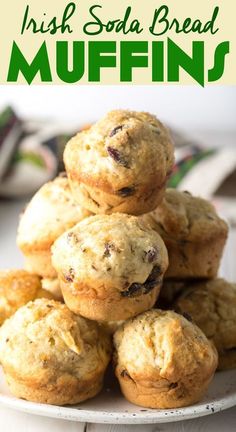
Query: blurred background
x=186 y=107
x=37 y=121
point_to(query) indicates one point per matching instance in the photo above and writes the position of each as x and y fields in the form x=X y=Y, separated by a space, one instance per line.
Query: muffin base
x=227 y=360
x=154 y=397
x=65 y=391
x=99 y=201
x=194 y=260
x=113 y=308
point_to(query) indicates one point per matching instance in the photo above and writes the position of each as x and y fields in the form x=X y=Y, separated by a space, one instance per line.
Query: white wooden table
x=12 y=421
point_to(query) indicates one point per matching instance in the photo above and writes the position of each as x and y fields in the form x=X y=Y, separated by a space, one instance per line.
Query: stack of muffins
x=109 y=250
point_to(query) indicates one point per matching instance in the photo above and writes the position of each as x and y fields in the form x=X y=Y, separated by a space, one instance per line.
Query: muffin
x=192 y=232
x=170 y=291
x=53 y=286
x=18 y=287
x=110 y=327
x=162 y=360
x=49 y=355
x=212 y=306
x=121 y=164
x=51 y=211
x=110 y=267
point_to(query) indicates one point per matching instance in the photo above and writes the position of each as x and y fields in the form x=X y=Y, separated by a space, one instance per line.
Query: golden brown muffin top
x=51 y=211
x=162 y=345
x=45 y=340
x=18 y=287
x=182 y=216
x=117 y=252
x=212 y=306
x=124 y=147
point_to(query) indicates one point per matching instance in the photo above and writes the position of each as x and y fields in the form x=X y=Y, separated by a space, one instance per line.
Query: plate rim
x=89 y=416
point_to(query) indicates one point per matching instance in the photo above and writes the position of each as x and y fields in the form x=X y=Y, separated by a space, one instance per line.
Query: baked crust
x=98 y=201
x=50 y=355
x=110 y=327
x=120 y=164
x=65 y=391
x=52 y=285
x=39 y=261
x=162 y=360
x=111 y=306
x=192 y=232
x=170 y=291
x=51 y=211
x=212 y=306
x=110 y=267
x=18 y=287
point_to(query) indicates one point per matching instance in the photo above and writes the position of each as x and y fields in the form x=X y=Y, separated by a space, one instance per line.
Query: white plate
x=111 y=407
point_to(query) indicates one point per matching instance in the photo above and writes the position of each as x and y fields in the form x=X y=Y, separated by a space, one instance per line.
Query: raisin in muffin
x=110 y=267
x=51 y=211
x=18 y=287
x=212 y=306
x=49 y=355
x=121 y=164
x=193 y=234
x=162 y=360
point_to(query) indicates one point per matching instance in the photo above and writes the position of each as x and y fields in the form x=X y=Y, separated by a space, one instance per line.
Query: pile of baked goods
x=117 y=265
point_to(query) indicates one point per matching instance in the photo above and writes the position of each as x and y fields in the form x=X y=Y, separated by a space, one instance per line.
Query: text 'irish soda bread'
x=51 y=211
x=193 y=234
x=121 y=164
x=212 y=306
x=18 y=287
x=162 y=360
x=110 y=267
x=49 y=355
